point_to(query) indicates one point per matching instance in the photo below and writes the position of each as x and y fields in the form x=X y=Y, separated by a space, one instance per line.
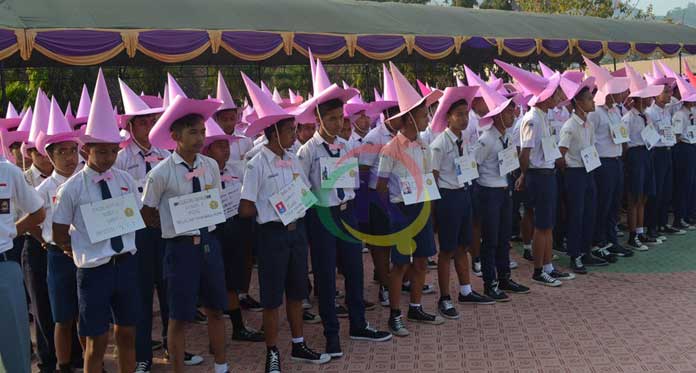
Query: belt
x=495 y=188
x=54 y=248
x=610 y=158
x=342 y=207
x=116 y=259
x=541 y=171
x=194 y=240
x=278 y=226
x=663 y=148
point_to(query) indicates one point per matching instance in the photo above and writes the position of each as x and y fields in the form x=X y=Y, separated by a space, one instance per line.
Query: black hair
x=50 y=148
x=330 y=105
x=224 y=110
x=270 y=130
x=583 y=90
x=457 y=104
x=392 y=111
x=188 y=120
x=15 y=145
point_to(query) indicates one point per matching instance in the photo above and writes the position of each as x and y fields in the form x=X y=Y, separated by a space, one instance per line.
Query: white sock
x=465 y=289
x=221 y=368
x=527 y=247
x=298 y=340
x=407 y=283
x=242 y=295
x=639 y=230
x=414 y=305
x=548 y=268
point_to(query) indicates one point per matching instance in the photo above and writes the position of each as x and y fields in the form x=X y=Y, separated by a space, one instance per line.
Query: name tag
x=550 y=147
x=668 y=137
x=291 y=202
x=230 y=197
x=338 y=175
x=619 y=132
x=411 y=194
x=196 y=210
x=508 y=160
x=678 y=126
x=111 y=217
x=466 y=169
x=650 y=136
x=590 y=158
x=691 y=134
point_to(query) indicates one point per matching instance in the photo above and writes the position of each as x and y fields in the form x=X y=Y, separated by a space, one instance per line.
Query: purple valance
x=7 y=39
x=172 y=41
x=380 y=43
x=591 y=47
x=434 y=44
x=520 y=46
x=622 y=48
x=252 y=42
x=478 y=42
x=78 y=43
x=670 y=48
x=555 y=46
x=690 y=48
x=321 y=44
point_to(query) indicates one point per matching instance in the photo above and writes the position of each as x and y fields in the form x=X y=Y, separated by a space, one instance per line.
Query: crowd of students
x=304 y=187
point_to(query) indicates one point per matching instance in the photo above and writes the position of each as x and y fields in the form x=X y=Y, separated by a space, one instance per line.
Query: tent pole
x=3 y=98
x=680 y=62
x=614 y=63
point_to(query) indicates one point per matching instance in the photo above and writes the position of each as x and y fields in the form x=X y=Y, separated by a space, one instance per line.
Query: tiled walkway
x=635 y=316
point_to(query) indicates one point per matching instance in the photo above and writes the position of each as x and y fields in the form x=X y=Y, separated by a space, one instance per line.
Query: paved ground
x=634 y=316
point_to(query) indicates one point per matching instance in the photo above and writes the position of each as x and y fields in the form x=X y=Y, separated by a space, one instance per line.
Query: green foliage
x=496 y=4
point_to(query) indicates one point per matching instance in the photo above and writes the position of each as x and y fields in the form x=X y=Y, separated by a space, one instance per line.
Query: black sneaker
x=593 y=261
x=528 y=255
x=621 y=251
x=333 y=347
x=143 y=367
x=310 y=318
x=474 y=298
x=340 y=294
x=156 y=345
x=369 y=306
x=383 y=296
x=432 y=264
x=671 y=230
x=247 y=335
x=427 y=288
x=302 y=353
x=634 y=243
x=658 y=237
x=189 y=358
x=546 y=279
x=476 y=267
x=250 y=304
x=272 y=361
x=493 y=292
x=649 y=240
x=396 y=325
x=681 y=225
x=370 y=334
x=511 y=286
x=200 y=318
x=416 y=314
x=577 y=266
x=341 y=311
x=605 y=255
x=563 y=275
x=447 y=309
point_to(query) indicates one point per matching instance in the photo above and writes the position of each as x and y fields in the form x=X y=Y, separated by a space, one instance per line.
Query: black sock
x=537 y=271
x=65 y=368
x=443 y=297
x=271 y=348
x=236 y=318
x=394 y=312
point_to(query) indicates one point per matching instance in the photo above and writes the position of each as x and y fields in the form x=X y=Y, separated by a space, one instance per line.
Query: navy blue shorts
x=108 y=292
x=380 y=210
x=192 y=272
x=453 y=214
x=640 y=174
x=233 y=236
x=475 y=204
x=282 y=262
x=61 y=277
x=410 y=230
x=542 y=196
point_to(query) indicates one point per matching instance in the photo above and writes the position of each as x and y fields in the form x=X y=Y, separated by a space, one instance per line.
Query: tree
x=497 y=4
x=595 y=8
x=464 y=3
x=401 y=1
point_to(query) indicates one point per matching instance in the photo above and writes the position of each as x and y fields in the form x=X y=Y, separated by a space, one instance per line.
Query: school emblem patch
x=213 y=205
x=128 y=212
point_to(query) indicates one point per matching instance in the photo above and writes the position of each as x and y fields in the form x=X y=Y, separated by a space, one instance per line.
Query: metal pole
x=680 y=62
x=614 y=63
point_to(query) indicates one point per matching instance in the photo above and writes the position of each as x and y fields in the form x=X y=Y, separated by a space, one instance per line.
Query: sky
x=662 y=6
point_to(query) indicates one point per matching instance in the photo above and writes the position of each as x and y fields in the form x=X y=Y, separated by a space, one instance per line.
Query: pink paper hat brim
x=351 y=109
x=553 y=84
x=160 y=135
x=612 y=86
x=378 y=107
x=7 y=123
x=449 y=97
x=261 y=124
x=571 y=88
x=647 y=92
x=430 y=99
x=153 y=101
x=12 y=137
x=45 y=140
x=212 y=139
x=124 y=118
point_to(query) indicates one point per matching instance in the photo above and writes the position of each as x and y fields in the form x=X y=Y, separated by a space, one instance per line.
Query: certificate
x=691 y=134
x=508 y=160
x=668 y=137
x=230 y=197
x=411 y=194
x=466 y=169
x=590 y=158
x=291 y=202
x=550 y=148
x=338 y=175
x=196 y=210
x=650 y=136
x=619 y=132
x=111 y=217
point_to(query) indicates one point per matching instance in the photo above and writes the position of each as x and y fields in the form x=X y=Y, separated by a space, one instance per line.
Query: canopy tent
x=78 y=32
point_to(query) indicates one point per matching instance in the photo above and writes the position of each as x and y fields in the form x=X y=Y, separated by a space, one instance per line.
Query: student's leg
x=502 y=253
x=213 y=295
x=349 y=254
x=490 y=222
x=667 y=187
x=94 y=353
x=605 y=182
x=125 y=335
x=444 y=259
x=216 y=333
x=176 y=343
x=527 y=226
x=146 y=262
x=161 y=286
x=616 y=200
x=380 y=260
x=419 y=269
x=270 y=324
x=575 y=184
x=294 y=315
x=323 y=253
x=396 y=277
x=15 y=342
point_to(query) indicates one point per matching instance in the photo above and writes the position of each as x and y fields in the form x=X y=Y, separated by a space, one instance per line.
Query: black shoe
x=300 y=352
x=593 y=261
x=341 y=311
x=671 y=230
x=622 y=227
x=474 y=298
x=370 y=334
x=416 y=314
x=511 y=286
x=577 y=266
x=476 y=267
x=143 y=367
x=369 y=306
x=621 y=251
x=189 y=358
x=156 y=345
x=432 y=264
x=247 y=335
x=562 y=275
x=333 y=347
x=447 y=309
x=634 y=243
x=492 y=291
x=605 y=255
x=310 y=318
x=528 y=255
x=340 y=294
x=272 y=361
x=251 y=304
x=648 y=240
x=656 y=236
x=427 y=288
x=200 y=318
x=396 y=325
x=546 y=279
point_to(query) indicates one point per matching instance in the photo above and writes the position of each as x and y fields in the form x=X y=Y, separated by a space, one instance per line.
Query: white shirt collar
x=177 y=159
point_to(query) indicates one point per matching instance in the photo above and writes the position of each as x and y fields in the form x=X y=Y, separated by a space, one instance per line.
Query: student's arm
x=304 y=156
x=250 y=191
x=247 y=209
x=436 y=156
x=30 y=221
x=28 y=201
x=386 y=164
x=152 y=195
x=62 y=238
x=524 y=166
x=150 y=216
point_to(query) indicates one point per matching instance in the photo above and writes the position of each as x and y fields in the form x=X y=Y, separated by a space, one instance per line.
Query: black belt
x=54 y=248
x=278 y=226
x=663 y=148
x=342 y=207
x=541 y=171
x=495 y=188
x=610 y=158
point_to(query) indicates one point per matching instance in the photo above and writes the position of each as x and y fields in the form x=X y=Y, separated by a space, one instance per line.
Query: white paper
x=677 y=126
x=691 y=134
x=428 y=192
x=291 y=202
x=590 y=158
x=466 y=169
x=550 y=148
x=230 y=197
x=619 y=132
x=650 y=136
x=508 y=160
x=668 y=137
x=111 y=217
x=196 y=210
x=334 y=175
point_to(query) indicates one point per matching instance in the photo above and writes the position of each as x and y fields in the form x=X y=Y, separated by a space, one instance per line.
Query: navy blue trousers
x=150 y=252
x=496 y=222
x=609 y=180
x=580 y=209
x=658 y=205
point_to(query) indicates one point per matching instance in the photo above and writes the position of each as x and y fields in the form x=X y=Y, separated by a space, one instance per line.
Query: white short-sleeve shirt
x=576 y=135
x=601 y=119
x=635 y=122
x=402 y=157
x=660 y=118
x=534 y=127
x=369 y=153
x=443 y=152
x=490 y=144
x=48 y=191
x=684 y=118
x=16 y=198
x=132 y=160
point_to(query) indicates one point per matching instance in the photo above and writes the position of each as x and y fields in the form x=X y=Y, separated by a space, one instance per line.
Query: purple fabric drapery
x=172 y=41
x=555 y=46
x=520 y=45
x=380 y=43
x=319 y=43
x=645 y=48
x=252 y=42
x=691 y=48
x=434 y=44
x=622 y=48
x=590 y=46
x=78 y=42
x=478 y=42
x=670 y=48
x=7 y=39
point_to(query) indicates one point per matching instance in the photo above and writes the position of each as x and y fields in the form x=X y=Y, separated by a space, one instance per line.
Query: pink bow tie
x=227 y=178
x=198 y=172
x=335 y=146
x=108 y=175
x=284 y=163
x=152 y=159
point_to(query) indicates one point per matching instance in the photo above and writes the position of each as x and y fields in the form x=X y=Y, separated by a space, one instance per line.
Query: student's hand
x=519 y=183
x=561 y=163
x=67 y=250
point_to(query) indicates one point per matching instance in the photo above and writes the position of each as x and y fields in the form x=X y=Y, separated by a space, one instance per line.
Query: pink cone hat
x=267 y=111
x=68 y=112
x=160 y=136
x=312 y=63
x=11 y=119
x=689 y=75
x=546 y=71
x=39 y=122
x=327 y=92
x=424 y=89
x=21 y=134
x=389 y=89
x=607 y=84
x=165 y=99
x=407 y=96
x=320 y=80
x=601 y=75
x=213 y=132
x=249 y=115
x=102 y=125
x=658 y=76
x=153 y=101
x=174 y=88
x=223 y=94
x=355 y=104
x=449 y=97
x=495 y=102
x=295 y=99
x=11 y=111
x=264 y=89
x=639 y=87
x=540 y=87
x=82 y=113
x=59 y=130
x=620 y=73
x=133 y=105
x=667 y=70
x=378 y=97
x=686 y=90
x=572 y=88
